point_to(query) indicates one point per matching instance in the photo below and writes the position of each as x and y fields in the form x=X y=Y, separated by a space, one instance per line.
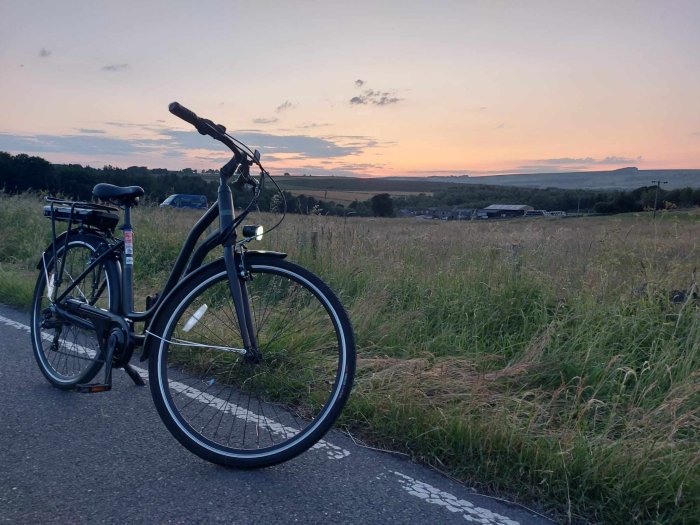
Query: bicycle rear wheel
x=251 y=412
x=67 y=354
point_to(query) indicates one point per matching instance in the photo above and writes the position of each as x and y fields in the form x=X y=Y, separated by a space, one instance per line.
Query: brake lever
x=242 y=173
x=219 y=129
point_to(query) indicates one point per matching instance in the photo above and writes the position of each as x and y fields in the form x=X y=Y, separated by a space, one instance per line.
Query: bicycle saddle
x=124 y=195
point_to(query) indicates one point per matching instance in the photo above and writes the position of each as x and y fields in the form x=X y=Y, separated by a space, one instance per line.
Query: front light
x=253 y=231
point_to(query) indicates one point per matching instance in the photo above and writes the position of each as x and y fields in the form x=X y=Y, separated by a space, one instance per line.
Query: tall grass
x=538 y=358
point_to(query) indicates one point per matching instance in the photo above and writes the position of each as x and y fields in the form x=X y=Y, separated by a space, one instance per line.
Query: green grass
x=542 y=360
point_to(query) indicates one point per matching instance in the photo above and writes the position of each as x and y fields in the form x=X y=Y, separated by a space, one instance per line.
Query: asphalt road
x=107 y=458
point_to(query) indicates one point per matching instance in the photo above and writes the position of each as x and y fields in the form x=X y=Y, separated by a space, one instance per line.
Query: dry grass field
x=550 y=360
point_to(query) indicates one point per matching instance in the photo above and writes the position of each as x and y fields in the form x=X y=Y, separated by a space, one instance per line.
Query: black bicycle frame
x=226 y=236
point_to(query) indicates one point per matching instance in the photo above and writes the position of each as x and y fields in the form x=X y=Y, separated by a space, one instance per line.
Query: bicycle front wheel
x=251 y=412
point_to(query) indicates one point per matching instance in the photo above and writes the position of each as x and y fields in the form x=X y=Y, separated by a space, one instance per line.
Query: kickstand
x=112 y=343
x=134 y=375
x=91 y=388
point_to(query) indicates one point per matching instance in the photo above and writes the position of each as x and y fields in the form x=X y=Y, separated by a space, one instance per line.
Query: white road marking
x=15 y=324
x=250 y=416
x=469 y=511
x=332 y=451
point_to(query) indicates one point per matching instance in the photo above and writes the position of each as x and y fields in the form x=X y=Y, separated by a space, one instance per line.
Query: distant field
x=347 y=197
x=370 y=186
x=606 y=180
x=624 y=179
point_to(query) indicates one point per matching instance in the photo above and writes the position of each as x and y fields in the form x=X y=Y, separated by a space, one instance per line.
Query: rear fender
x=48 y=252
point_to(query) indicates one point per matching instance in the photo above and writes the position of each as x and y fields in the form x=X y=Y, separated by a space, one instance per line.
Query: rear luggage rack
x=75 y=213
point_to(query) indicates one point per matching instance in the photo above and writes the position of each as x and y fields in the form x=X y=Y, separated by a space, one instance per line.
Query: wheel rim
x=231 y=406
x=68 y=353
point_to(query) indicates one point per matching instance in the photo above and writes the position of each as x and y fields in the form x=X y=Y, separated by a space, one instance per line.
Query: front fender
x=279 y=255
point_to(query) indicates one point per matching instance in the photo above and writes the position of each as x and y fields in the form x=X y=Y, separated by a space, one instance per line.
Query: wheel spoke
x=67 y=354
x=249 y=407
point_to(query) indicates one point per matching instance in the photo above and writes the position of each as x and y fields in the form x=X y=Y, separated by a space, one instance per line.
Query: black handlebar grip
x=185 y=114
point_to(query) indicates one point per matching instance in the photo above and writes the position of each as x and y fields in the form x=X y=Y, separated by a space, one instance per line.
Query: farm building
x=503 y=211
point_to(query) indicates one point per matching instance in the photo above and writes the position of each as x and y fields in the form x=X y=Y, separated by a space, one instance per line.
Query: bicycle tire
x=66 y=354
x=285 y=402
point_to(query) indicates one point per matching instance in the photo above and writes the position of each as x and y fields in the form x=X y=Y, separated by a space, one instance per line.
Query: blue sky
x=368 y=88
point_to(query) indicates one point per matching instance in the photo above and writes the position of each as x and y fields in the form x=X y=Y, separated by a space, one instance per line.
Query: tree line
x=20 y=173
x=585 y=201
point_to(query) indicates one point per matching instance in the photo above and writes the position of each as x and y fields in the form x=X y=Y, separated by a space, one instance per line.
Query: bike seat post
x=128 y=263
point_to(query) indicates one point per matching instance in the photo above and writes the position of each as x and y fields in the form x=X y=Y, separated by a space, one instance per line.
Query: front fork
x=238 y=277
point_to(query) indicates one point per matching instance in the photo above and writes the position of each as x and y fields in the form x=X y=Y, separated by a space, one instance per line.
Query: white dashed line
x=470 y=512
x=331 y=451
x=15 y=324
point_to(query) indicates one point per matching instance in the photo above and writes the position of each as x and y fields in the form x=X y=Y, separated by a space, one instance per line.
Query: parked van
x=180 y=200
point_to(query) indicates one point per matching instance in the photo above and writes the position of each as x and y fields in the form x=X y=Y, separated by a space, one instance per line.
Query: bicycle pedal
x=93 y=388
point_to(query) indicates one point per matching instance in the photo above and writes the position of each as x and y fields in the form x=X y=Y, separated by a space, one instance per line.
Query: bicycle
x=251 y=358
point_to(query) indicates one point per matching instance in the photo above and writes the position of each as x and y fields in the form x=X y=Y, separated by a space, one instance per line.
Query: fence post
x=314 y=243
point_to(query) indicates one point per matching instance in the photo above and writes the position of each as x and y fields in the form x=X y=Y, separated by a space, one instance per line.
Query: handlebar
x=203 y=125
x=185 y=114
x=218 y=132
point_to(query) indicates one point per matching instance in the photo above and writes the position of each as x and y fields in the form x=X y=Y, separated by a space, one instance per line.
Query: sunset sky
x=376 y=88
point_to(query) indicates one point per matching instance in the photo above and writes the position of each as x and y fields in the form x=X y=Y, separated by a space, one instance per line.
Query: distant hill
x=359 y=188
x=622 y=179
x=366 y=184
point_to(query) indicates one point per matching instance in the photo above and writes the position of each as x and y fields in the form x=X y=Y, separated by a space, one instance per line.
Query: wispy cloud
x=359 y=167
x=141 y=129
x=554 y=165
x=376 y=98
x=44 y=53
x=359 y=141
x=264 y=120
x=549 y=168
x=115 y=67
x=590 y=160
x=74 y=144
x=457 y=172
x=176 y=143
x=333 y=168
x=284 y=106
x=313 y=125
x=518 y=170
x=571 y=164
x=304 y=146
x=90 y=131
